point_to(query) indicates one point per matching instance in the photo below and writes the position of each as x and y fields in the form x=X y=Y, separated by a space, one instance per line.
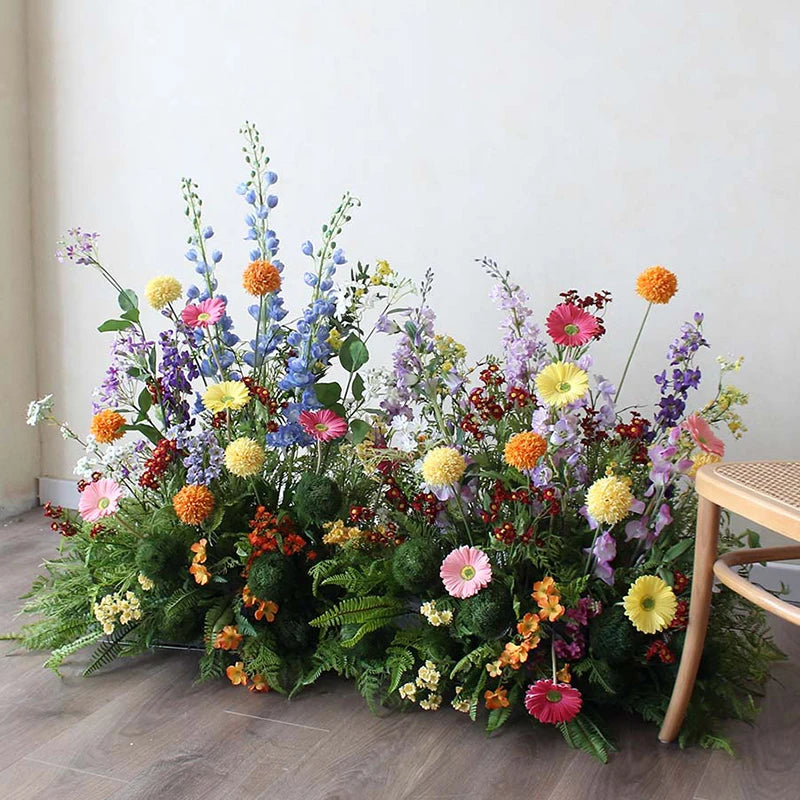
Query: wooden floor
x=140 y=729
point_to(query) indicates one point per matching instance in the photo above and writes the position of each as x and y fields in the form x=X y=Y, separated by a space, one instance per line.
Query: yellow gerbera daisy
x=609 y=499
x=226 y=395
x=162 y=290
x=244 y=457
x=443 y=466
x=650 y=604
x=561 y=382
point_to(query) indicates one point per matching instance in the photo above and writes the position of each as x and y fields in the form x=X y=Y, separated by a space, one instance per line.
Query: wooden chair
x=764 y=492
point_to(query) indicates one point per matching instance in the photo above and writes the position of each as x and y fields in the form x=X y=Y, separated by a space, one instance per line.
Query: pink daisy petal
x=703 y=435
x=323 y=425
x=99 y=499
x=571 y=326
x=205 y=313
x=465 y=571
x=553 y=702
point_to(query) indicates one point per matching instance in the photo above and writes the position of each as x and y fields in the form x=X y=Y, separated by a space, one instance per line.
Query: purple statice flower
x=177 y=370
x=204 y=457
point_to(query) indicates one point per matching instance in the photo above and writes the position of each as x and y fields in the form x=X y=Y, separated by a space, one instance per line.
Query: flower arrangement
x=499 y=537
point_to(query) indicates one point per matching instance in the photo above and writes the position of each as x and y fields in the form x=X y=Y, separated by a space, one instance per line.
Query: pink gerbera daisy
x=465 y=571
x=703 y=436
x=571 y=326
x=553 y=702
x=205 y=313
x=99 y=499
x=323 y=425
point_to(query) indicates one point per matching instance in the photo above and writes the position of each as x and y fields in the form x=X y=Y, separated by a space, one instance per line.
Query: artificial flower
x=609 y=500
x=259 y=684
x=496 y=699
x=199 y=550
x=564 y=675
x=200 y=573
x=543 y=589
x=514 y=655
x=459 y=702
x=650 y=604
x=39 y=410
x=700 y=459
x=494 y=668
x=205 y=313
x=226 y=396
x=657 y=285
x=465 y=571
x=193 y=504
x=99 y=499
x=266 y=610
x=324 y=425
x=561 y=382
x=162 y=291
x=523 y=450
x=107 y=426
x=244 y=457
x=408 y=691
x=570 y=326
x=431 y=702
x=145 y=582
x=228 y=638
x=551 y=608
x=703 y=435
x=260 y=278
x=528 y=625
x=443 y=466
x=236 y=674
x=551 y=702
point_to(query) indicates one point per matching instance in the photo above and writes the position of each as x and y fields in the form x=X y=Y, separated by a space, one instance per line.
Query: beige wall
x=575 y=142
x=19 y=444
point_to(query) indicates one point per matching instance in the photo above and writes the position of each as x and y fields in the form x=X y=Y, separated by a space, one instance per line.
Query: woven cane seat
x=765 y=492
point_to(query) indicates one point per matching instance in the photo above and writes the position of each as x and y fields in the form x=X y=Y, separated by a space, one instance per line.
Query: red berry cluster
x=428 y=505
x=360 y=514
x=597 y=301
x=82 y=484
x=267 y=532
x=505 y=533
x=522 y=495
x=60 y=523
x=162 y=456
x=590 y=427
x=469 y=424
x=219 y=420
x=388 y=535
x=518 y=395
x=681 y=619
x=486 y=406
x=659 y=649
x=394 y=494
x=550 y=496
x=96 y=530
x=680 y=583
x=491 y=376
x=261 y=393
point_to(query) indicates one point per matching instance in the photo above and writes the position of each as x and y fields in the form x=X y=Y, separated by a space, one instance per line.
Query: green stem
x=553 y=658
x=633 y=350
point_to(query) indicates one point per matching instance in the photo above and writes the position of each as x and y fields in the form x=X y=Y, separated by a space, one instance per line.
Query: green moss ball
x=317 y=499
x=416 y=565
x=487 y=614
x=272 y=577
x=163 y=559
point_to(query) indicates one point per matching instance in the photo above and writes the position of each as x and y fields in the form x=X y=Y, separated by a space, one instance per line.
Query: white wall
x=19 y=444
x=574 y=142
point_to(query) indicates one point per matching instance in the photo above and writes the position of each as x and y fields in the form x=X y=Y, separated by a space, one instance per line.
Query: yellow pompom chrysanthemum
x=443 y=466
x=244 y=457
x=226 y=395
x=609 y=499
x=162 y=290
x=561 y=382
x=650 y=604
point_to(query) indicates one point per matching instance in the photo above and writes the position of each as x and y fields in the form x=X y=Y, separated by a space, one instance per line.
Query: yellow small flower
x=244 y=457
x=609 y=499
x=650 y=604
x=145 y=582
x=335 y=340
x=408 y=691
x=162 y=291
x=701 y=459
x=443 y=466
x=226 y=395
x=561 y=382
x=494 y=668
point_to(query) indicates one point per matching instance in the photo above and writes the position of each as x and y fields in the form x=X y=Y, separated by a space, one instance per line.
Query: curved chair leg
x=705 y=553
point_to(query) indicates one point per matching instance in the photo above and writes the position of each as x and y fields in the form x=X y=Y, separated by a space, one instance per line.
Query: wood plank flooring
x=140 y=730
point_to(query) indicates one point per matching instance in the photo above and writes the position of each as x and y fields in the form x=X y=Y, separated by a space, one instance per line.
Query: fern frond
x=358 y=610
x=581 y=733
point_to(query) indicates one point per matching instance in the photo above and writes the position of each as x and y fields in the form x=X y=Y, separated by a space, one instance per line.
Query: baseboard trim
x=59 y=492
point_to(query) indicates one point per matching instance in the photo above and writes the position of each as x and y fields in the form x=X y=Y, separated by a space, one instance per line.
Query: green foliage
x=486 y=614
x=612 y=637
x=416 y=563
x=272 y=577
x=60 y=653
x=212 y=666
x=162 y=557
x=582 y=733
x=317 y=499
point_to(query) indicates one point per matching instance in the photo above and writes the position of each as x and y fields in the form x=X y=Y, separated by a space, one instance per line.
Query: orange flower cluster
x=267 y=531
x=523 y=450
x=259 y=683
x=236 y=674
x=107 y=426
x=496 y=699
x=515 y=654
x=657 y=285
x=260 y=278
x=193 y=504
x=198 y=569
x=228 y=638
x=545 y=593
x=266 y=609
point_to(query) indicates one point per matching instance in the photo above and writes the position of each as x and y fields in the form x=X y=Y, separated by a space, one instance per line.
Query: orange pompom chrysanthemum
x=260 y=278
x=193 y=504
x=657 y=285
x=524 y=449
x=107 y=426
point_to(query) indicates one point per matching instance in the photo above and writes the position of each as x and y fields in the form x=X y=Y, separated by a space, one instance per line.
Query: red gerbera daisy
x=323 y=425
x=571 y=326
x=553 y=702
